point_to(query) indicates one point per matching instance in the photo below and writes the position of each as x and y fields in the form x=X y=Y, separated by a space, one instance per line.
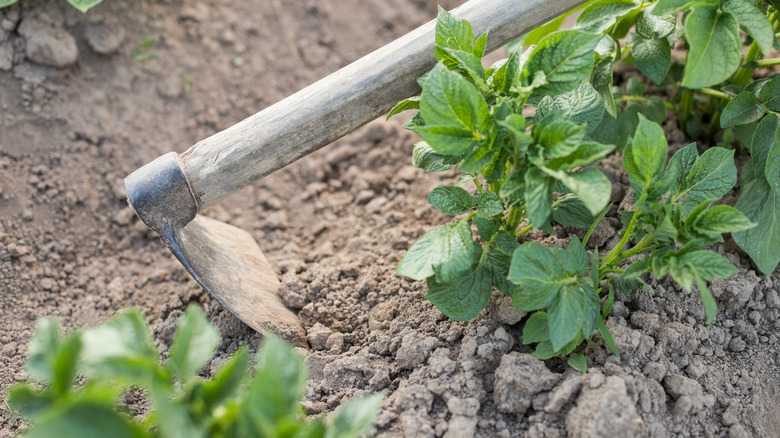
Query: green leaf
x=710 y=307
x=713 y=175
x=583 y=105
x=754 y=22
x=172 y=416
x=536 y=329
x=121 y=348
x=479 y=45
x=558 y=138
x=566 y=315
x=462 y=298
x=590 y=185
x=514 y=124
x=355 y=417
x=654 y=109
x=535 y=268
x=605 y=333
x=85 y=419
x=770 y=94
x=489 y=204
x=486 y=228
x=506 y=76
x=447 y=140
x=772 y=168
x=451 y=201
x=665 y=7
x=5 y=3
x=588 y=153
x=759 y=202
x=227 y=382
x=602 y=81
x=620 y=130
x=536 y=35
x=513 y=188
x=453 y=32
x=424 y=157
x=538 y=196
x=742 y=109
x=565 y=58
x=448 y=248
x=83 y=5
x=541 y=272
x=454 y=111
x=578 y=362
x=193 y=344
x=635 y=87
x=709 y=265
x=653 y=57
x=277 y=387
x=715 y=47
x=653 y=26
x=722 y=219
x=602 y=14
x=544 y=350
x=644 y=158
x=42 y=350
x=464 y=63
x=679 y=167
x=571 y=212
x=408 y=104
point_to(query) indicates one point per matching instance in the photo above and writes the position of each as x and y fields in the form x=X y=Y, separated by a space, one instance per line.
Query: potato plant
x=243 y=399
x=530 y=172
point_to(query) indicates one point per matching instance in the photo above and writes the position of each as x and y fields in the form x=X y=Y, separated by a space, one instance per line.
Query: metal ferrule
x=161 y=195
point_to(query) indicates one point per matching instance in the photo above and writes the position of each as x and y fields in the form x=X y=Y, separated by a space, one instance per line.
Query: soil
x=87 y=99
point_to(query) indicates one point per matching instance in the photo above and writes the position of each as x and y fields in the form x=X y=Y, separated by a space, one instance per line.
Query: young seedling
x=532 y=172
x=244 y=398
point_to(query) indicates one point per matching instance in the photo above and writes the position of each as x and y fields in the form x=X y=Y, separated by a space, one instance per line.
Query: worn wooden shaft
x=343 y=101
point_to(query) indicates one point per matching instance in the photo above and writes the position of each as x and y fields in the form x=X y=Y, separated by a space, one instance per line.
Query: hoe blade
x=224 y=259
x=230 y=266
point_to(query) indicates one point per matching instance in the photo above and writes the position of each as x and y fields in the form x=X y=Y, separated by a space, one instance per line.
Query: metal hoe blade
x=225 y=260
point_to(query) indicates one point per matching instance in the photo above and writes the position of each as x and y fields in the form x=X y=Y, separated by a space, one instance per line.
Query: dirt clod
x=48 y=45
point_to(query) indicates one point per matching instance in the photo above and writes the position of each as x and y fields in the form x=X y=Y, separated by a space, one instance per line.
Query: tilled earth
x=87 y=99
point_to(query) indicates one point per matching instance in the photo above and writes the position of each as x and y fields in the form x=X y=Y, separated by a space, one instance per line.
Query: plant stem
x=715 y=93
x=625 y=98
x=525 y=229
x=613 y=257
x=743 y=75
x=638 y=250
x=686 y=103
x=515 y=217
x=768 y=62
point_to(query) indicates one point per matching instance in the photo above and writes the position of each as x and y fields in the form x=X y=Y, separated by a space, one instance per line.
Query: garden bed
x=155 y=76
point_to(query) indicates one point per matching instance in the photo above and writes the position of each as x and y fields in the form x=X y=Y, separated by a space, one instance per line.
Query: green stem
x=625 y=98
x=686 y=103
x=743 y=75
x=478 y=184
x=515 y=217
x=639 y=249
x=613 y=257
x=715 y=93
x=525 y=229
x=768 y=62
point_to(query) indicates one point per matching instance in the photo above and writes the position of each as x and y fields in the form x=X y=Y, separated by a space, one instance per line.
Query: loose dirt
x=87 y=99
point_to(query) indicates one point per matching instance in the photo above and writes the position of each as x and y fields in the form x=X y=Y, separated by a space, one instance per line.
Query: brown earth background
x=83 y=104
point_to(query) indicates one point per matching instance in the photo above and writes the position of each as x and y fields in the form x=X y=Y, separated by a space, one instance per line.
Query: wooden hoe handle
x=343 y=101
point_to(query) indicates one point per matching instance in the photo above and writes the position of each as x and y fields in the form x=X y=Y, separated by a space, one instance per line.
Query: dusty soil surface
x=84 y=101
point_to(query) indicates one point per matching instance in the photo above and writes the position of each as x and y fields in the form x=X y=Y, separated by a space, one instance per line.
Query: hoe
x=168 y=193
